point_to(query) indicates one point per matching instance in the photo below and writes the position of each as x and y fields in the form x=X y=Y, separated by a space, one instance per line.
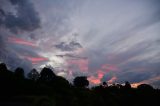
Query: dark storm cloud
x=26 y=17
x=2 y=15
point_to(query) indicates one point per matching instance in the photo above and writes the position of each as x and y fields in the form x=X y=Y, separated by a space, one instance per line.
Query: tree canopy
x=48 y=89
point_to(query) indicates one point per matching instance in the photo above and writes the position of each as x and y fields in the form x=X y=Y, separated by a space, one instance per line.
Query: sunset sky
x=106 y=40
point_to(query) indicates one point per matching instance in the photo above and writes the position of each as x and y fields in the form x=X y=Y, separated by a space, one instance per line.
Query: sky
x=105 y=40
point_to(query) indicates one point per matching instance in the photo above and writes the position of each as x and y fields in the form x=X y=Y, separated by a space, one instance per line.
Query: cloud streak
x=21 y=41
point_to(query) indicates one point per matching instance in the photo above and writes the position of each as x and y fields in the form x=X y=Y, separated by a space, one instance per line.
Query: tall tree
x=19 y=73
x=33 y=75
x=3 y=67
x=47 y=74
x=127 y=85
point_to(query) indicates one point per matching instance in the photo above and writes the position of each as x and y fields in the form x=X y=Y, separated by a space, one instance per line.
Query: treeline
x=48 y=89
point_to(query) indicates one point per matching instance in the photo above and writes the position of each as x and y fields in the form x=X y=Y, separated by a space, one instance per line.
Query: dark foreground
x=47 y=89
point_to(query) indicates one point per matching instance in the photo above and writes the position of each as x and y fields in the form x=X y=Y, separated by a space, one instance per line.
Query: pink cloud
x=82 y=64
x=21 y=41
x=96 y=80
x=109 y=67
x=36 y=60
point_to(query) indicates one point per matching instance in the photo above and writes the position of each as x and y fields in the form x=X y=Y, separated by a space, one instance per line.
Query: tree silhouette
x=81 y=81
x=104 y=84
x=19 y=73
x=61 y=82
x=145 y=87
x=3 y=70
x=46 y=74
x=5 y=74
x=3 y=67
x=33 y=75
x=127 y=85
x=47 y=89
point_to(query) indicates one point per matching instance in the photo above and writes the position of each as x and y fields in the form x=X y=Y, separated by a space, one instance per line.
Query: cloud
x=17 y=17
x=78 y=64
x=123 y=36
x=26 y=18
x=21 y=41
x=2 y=14
x=13 y=60
x=154 y=81
x=71 y=46
x=36 y=60
x=115 y=41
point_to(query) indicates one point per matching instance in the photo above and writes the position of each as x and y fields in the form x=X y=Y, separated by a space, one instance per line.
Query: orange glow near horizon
x=135 y=85
x=148 y=81
x=94 y=80
x=112 y=80
x=100 y=73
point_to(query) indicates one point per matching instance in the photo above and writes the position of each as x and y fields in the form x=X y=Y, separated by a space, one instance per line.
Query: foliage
x=81 y=81
x=48 y=89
